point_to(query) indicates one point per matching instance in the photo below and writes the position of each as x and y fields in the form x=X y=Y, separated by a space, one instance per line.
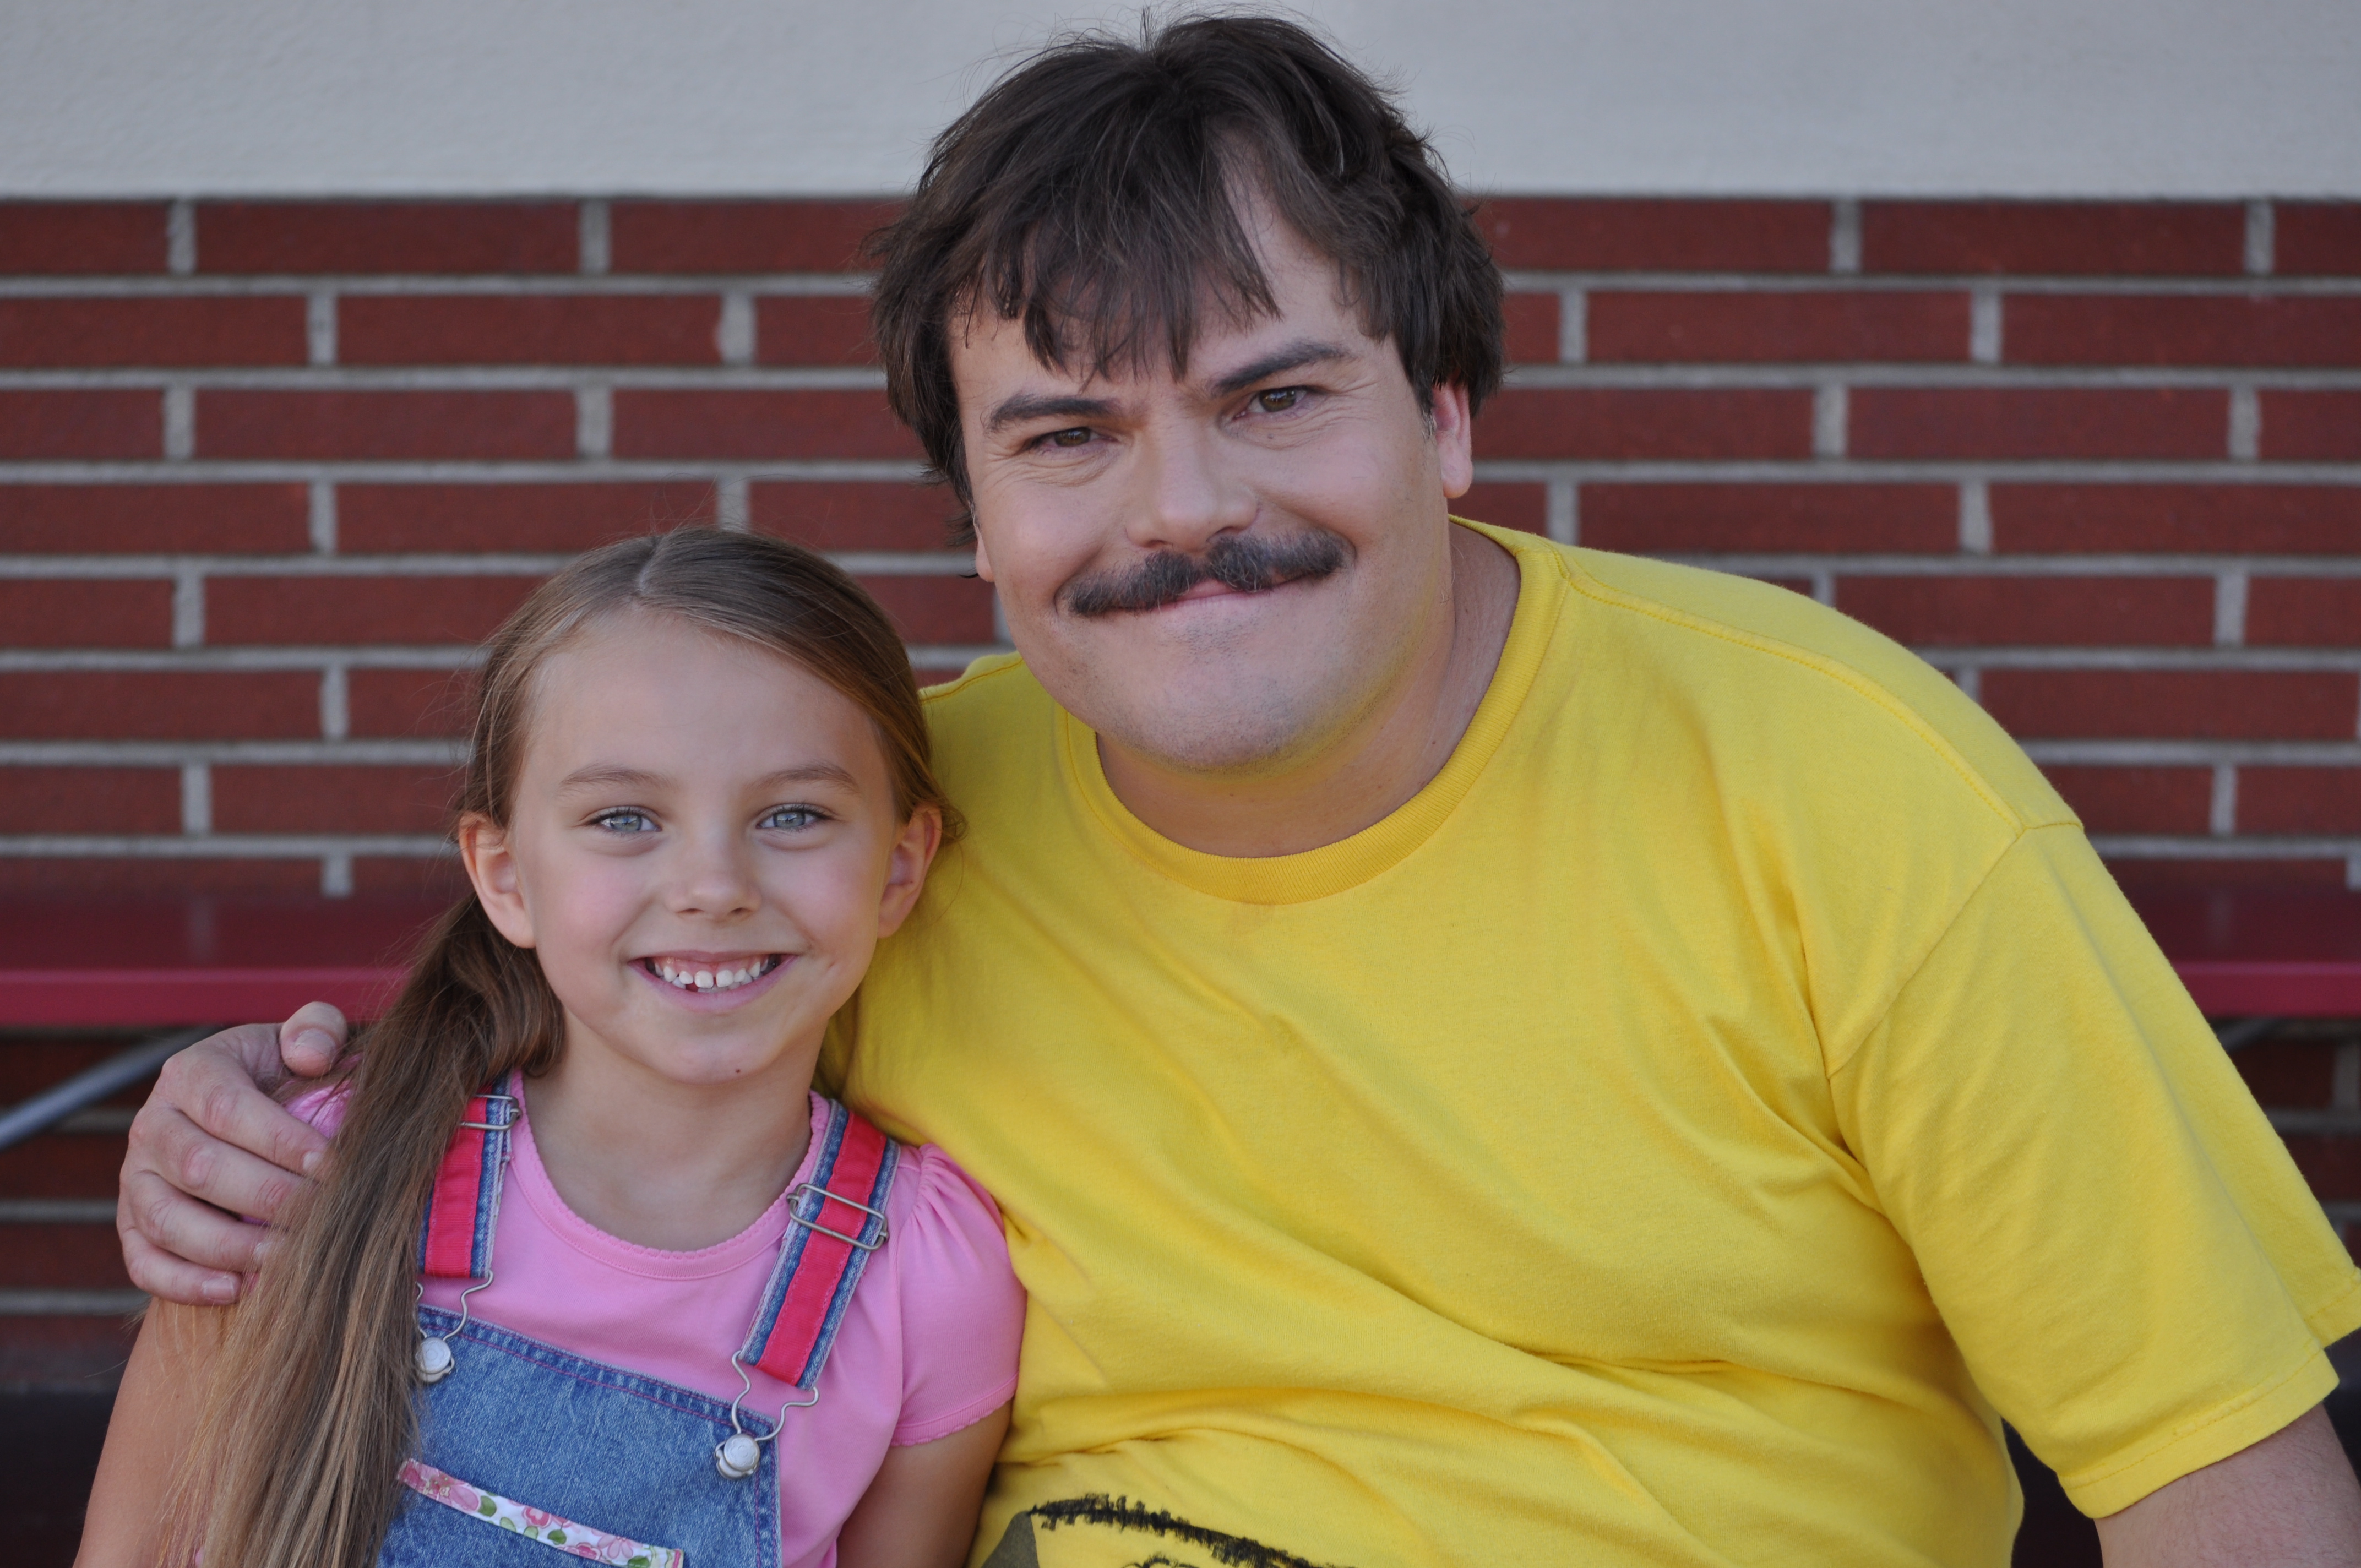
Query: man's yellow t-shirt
x=1678 y=1135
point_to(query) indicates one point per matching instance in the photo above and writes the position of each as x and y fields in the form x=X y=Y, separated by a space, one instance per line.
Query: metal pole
x=52 y=1106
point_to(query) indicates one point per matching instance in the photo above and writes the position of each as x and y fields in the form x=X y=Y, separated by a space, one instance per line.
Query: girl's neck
x=673 y=1165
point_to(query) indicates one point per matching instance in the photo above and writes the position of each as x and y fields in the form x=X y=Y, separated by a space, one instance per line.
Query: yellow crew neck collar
x=1332 y=868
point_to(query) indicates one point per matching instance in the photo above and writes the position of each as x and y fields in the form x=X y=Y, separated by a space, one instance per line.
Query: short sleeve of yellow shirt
x=2103 y=1216
x=1678 y=1135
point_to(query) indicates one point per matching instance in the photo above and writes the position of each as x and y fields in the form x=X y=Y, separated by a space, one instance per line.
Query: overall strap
x=456 y=1241
x=836 y=1219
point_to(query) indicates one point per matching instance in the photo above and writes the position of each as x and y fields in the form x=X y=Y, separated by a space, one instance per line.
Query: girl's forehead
x=662 y=687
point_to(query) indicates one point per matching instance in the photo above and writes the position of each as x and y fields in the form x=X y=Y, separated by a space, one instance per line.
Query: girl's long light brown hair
x=309 y=1411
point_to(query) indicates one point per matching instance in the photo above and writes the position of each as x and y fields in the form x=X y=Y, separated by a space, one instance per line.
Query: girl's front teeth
x=691 y=978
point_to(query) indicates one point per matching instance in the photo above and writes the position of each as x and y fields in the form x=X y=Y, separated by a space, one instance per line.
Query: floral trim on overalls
x=536 y=1524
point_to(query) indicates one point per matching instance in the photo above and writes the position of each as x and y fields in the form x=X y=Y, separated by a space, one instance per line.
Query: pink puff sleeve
x=962 y=1309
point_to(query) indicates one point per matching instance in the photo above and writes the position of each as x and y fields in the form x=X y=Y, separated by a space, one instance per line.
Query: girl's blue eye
x=791 y=818
x=625 y=821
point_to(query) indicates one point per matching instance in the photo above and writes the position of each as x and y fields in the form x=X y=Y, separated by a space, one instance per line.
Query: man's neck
x=1368 y=774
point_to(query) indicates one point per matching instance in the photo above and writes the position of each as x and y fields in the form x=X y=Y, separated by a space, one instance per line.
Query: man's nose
x=1187 y=495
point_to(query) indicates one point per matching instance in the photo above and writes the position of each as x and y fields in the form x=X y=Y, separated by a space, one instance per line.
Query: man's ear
x=1454 y=438
x=492 y=869
x=983 y=556
x=905 y=868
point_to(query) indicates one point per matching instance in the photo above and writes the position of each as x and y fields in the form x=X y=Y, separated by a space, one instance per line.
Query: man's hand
x=2289 y=1501
x=211 y=1132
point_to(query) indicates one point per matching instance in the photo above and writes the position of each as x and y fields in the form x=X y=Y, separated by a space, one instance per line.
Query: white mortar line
x=188 y=608
x=180 y=238
x=1970 y=680
x=874 y=563
x=2345 y=1081
x=1562 y=514
x=180 y=422
x=2222 y=807
x=1574 y=326
x=693 y=470
x=319 y=327
x=336 y=875
x=196 y=798
x=731 y=510
x=2273 y=660
x=733 y=332
x=172 y=754
x=322 y=517
x=1591 y=373
x=1984 y=326
x=1830 y=405
x=2245 y=438
x=2261 y=240
x=335 y=703
x=593 y=420
x=855 y=284
x=1844 y=235
x=2272 y=847
x=2196 y=753
x=597 y=247
x=2230 y=608
x=653 y=285
x=227 y=846
x=1975 y=518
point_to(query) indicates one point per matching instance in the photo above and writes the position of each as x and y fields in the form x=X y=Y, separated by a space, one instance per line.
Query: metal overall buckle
x=739 y=1455
x=432 y=1359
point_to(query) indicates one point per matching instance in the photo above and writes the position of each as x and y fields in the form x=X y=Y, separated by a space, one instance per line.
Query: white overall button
x=738 y=1456
x=433 y=1360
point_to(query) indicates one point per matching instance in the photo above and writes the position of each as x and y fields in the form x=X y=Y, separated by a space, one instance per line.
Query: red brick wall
x=267 y=470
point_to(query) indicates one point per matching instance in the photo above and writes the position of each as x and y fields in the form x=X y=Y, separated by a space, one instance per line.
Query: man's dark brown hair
x=1095 y=193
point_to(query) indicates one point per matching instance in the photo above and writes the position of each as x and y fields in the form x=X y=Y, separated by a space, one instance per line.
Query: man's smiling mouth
x=701 y=975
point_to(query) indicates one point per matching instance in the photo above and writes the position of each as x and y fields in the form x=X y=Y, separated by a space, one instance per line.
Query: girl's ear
x=905 y=868
x=492 y=867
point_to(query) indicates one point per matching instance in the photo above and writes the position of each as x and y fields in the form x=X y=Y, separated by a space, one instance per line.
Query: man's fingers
x=175 y=1150
x=154 y=1214
x=310 y=1042
x=213 y=1087
x=160 y=1274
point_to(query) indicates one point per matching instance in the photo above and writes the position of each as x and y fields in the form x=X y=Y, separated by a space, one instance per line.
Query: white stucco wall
x=1944 y=97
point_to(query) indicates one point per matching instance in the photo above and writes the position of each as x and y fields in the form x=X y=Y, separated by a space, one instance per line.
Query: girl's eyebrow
x=614 y=775
x=812 y=773
x=609 y=775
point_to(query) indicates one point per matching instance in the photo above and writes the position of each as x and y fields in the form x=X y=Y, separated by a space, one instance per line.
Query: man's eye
x=625 y=821
x=1279 y=399
x=1078 y=436
x=791 y=818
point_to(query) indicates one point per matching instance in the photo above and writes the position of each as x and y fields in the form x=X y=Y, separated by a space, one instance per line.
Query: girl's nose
x=716 y=879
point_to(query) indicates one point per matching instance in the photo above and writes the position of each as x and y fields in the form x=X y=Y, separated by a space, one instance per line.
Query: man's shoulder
x=1766 y=660
x=980 y=720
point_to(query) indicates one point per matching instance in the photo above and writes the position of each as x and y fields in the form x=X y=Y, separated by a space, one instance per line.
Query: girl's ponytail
x=309 y=1411
x=310 y=1414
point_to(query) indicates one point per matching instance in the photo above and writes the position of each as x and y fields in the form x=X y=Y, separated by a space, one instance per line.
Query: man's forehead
x=1111 y=338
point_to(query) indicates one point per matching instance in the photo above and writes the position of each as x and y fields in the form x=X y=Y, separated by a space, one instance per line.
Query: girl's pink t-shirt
x=928 y=1343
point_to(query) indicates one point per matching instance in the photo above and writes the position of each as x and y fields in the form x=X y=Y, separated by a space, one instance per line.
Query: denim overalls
x=523 y=1447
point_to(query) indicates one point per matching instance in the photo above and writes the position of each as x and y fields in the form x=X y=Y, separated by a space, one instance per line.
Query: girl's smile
x=713 y=981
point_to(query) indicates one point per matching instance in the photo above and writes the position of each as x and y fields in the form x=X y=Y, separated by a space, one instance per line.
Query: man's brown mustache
x=1248 y=563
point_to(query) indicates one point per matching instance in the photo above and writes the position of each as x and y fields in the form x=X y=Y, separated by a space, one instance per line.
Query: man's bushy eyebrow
x=1294 y=356
x=1026 y=406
